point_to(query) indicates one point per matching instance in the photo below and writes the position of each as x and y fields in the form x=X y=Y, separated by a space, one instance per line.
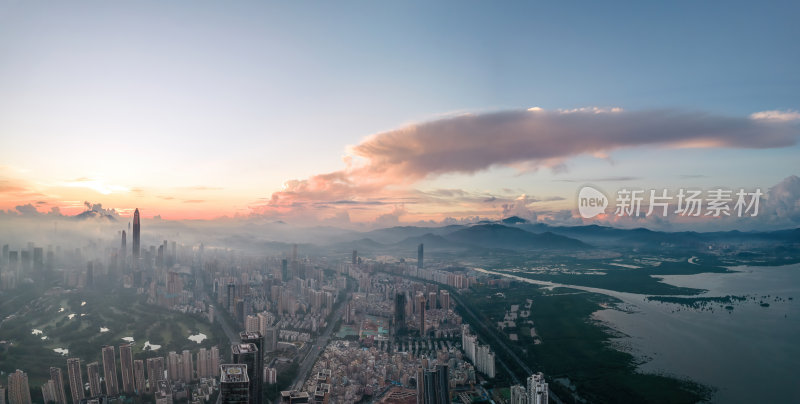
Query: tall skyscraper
x=18 y=391
x=271 y=339
x=518 y=395
x=110 y=370
x=257 y=377
x=537 y=389
x=93 y=372
x=420 y=256
x=247 y=353
x=174 y=368
x=421 y=313
x=126 y=364
x=138 y=372
x=435 y=388
x=231 y=297
x=253 y=338
x=484 y=360
x=444 y=299
x=251 y=323
x=2 y=395
x=233 y=384
x=136 y=234
x=400 y=311
x=428 y=387
x=38 y=259
x=49 y=392
x=214 y=361
x=174 y=288
x=202 y=363
x=442 y=385
x=75 y=379
x=355 y=257
x=155 y=372
x=124 y=247
x=58 y=385
x=188 y=365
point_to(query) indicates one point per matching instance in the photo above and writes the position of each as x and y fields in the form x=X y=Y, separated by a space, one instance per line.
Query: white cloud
x=776 y=115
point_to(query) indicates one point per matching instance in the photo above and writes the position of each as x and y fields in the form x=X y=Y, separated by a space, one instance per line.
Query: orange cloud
x=386 y=165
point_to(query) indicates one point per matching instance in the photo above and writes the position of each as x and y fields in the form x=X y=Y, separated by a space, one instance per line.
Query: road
x=317 y=347
x=226 y=326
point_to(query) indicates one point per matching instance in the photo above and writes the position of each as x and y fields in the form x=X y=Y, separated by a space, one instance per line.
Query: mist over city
x=399 y=203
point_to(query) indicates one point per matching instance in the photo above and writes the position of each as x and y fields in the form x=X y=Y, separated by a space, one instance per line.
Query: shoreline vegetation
x=643 y=281
x=727 y=302
x=559 y=337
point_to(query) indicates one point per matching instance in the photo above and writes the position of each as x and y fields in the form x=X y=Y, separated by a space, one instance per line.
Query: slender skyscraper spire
x=136 y=234
x=124 y=249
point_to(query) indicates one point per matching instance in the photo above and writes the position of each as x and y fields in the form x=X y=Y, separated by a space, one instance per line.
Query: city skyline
x=399 y=202
x=299 y=294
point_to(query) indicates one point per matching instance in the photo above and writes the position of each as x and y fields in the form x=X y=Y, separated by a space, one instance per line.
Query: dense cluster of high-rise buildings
x=140 y=376
x=31 y=262
x=398 y=319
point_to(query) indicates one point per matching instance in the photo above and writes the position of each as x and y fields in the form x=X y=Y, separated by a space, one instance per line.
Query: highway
x=316 y=348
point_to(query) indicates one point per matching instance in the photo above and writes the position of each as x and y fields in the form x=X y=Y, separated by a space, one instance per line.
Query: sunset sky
x=388 y=112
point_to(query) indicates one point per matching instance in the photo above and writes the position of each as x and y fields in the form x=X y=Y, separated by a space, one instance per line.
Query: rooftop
x=233 y=373
x=250 y=335
x=244 y=348
x=294 y=394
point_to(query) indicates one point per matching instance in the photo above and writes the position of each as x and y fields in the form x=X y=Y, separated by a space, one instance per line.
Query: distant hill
x=500 y=236
x=516 y=233
x=431 y=242
x=360 y=244
x=93 y=214
x=513 y=220
x=251 y=243
x=392 y=235
x=611 y=236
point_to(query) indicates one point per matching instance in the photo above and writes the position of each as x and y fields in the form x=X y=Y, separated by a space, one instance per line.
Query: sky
x=390 y=112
